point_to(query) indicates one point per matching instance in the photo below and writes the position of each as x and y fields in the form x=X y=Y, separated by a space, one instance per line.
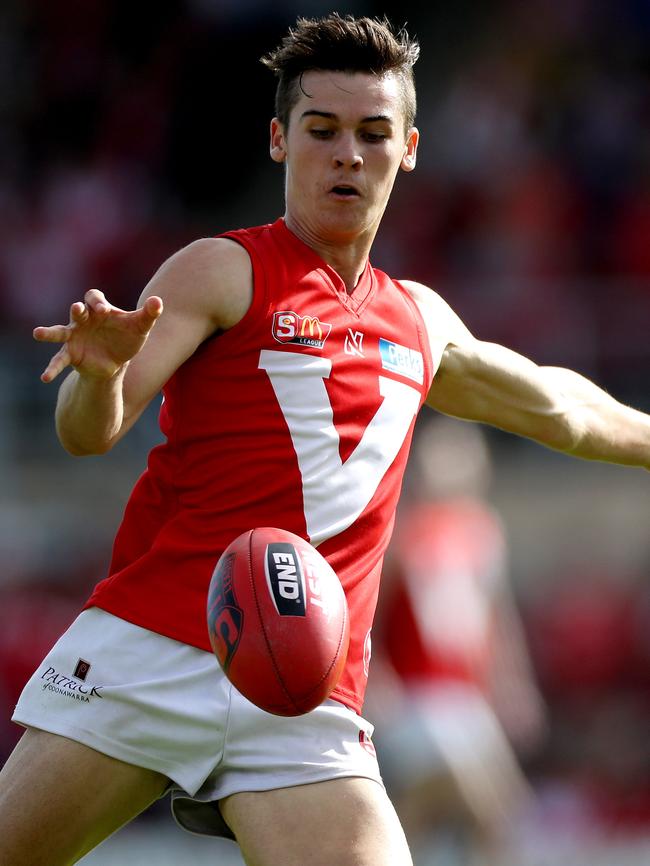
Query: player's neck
x=348 y=257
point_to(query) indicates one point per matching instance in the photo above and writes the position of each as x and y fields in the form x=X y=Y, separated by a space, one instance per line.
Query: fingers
x=57 y=363
x=61 y=333
x=153 y=306
x=52 y=334
x=149 y=313
x=94 y=311
x=78 y=313
x=96 y=301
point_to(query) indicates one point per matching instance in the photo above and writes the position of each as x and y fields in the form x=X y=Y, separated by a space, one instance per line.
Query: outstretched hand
x=99 y=338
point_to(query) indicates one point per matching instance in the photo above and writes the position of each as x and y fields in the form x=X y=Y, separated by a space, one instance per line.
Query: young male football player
x=292 y=373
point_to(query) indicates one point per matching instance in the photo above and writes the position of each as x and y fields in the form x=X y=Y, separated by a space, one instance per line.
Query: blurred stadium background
x=129 y=129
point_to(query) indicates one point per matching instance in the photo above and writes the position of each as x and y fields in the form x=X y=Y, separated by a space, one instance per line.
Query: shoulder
x=429 y=301
x=444 y=327
x=212 y=277
x=206 y=287
x=206 y=258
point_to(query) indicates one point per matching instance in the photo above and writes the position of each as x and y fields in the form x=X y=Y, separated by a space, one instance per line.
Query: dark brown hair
x=342 y=44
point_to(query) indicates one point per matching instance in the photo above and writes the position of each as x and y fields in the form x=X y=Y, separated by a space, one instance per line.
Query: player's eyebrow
x=312 y=112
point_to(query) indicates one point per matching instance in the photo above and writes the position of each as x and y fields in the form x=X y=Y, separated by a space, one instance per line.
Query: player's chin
x=346 y=218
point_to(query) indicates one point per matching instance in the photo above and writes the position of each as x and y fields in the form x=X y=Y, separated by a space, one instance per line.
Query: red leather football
x=278 y=621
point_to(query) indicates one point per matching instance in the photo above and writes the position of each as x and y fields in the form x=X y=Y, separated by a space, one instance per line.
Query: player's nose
x=347 y=153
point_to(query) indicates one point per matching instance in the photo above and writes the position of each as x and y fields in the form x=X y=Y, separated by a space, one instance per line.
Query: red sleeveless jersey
x=300 y=416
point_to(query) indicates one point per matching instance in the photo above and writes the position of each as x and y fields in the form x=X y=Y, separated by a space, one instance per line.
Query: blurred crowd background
x=127 y=130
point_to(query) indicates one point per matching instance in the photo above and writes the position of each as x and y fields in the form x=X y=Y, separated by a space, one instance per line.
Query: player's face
x=343 y=149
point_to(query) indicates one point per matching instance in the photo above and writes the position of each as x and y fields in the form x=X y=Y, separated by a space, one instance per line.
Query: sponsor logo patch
x=285 y=578
x=400 y=359
x=289 y=327
x=81 y=669
x=68 y=687
x=225 y=617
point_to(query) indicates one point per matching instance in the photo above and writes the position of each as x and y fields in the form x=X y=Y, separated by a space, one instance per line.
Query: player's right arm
x=121 y=359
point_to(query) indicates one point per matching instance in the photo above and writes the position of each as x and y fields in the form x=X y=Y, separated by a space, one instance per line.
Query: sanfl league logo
x=289 y=327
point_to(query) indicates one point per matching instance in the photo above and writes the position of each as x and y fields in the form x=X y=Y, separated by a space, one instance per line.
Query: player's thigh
x=59 y=798
x=347 y=822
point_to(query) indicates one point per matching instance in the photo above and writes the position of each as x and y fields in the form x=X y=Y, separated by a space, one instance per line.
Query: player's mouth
x=345 y=191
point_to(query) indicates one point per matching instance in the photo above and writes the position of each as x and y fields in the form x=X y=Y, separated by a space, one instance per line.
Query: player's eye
x=373 y=137
x=321 y=133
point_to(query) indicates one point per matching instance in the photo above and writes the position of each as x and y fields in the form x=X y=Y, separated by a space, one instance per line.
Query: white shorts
x=151 y=701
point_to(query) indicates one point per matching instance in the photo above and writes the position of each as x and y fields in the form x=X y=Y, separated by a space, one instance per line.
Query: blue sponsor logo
x=400 y=359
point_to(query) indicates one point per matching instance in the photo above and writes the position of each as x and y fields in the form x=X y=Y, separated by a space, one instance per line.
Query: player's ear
x=410 y=149
x=278 y=143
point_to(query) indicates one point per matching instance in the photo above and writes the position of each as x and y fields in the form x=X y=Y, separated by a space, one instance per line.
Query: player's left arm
x=557 y=407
